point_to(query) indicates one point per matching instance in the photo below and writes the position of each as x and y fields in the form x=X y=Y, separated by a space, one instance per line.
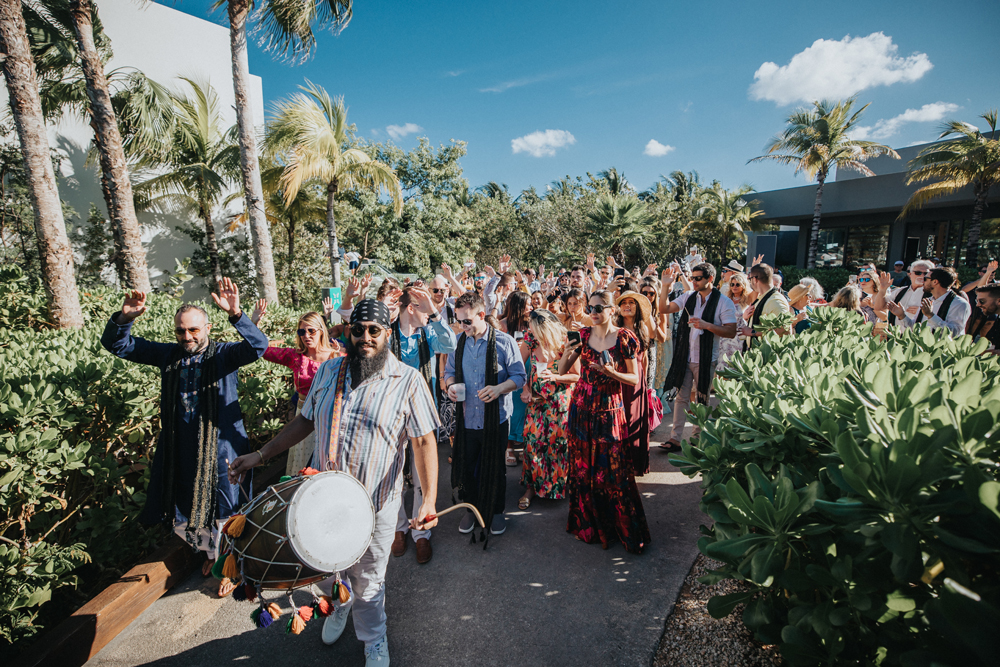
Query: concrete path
x=537 y=596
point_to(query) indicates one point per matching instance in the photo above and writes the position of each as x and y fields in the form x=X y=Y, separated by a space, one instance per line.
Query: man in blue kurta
x=200 y=418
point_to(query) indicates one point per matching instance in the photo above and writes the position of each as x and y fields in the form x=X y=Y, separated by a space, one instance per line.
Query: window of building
x=866 y=244
x=830 y=251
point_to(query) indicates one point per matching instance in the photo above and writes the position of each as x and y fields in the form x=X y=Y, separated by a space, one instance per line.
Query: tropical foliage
x=852 y=486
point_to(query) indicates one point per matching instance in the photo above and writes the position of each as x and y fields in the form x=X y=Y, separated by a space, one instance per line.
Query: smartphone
x=619 y=273
x=574 y=337
x=605 y=357
x=518 y=335
x=852 y=280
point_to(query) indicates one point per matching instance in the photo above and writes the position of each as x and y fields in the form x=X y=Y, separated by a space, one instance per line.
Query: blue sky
x=543 y=89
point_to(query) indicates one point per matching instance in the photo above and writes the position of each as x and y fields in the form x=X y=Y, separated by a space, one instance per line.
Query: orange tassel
x=298 y=625
x=274 y=610
x=324 y=606
x=234 y=527
x=306 y=612
x=343 y=593
x=308 y=471
x=229 y=569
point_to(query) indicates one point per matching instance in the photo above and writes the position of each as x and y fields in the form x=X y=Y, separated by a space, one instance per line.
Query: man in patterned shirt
x=382 y=404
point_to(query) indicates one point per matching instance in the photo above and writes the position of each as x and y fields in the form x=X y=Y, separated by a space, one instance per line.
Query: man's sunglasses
x=194 y=331
x=598 y=309
x=698 y=277
x=436 y=290
x=919 y=273
x=303 y=332
x=374 y=330
x=465 y=323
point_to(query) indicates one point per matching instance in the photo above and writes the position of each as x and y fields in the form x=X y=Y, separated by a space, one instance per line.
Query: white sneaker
x=499 y=524
x=335 y=623
x=377 y=655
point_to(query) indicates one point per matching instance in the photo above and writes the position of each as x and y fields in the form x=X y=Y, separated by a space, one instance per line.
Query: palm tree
x=494 y=190
x=114 y=168
x=616 y=182
x=285 y=28
x=55 y=252
x=621 y=222
x=200 y=161
x=727 y=211
x=817 y=140
x=311 y=129
x=971 y=158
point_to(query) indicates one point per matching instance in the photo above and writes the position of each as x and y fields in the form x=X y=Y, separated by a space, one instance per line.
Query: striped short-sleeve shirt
x=376 y=420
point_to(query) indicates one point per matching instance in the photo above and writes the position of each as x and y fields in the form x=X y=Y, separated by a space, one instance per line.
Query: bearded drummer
x=365 y=407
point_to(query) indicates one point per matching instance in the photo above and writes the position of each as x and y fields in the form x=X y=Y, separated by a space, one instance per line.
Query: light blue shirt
x=440 y=338
x=509 y=367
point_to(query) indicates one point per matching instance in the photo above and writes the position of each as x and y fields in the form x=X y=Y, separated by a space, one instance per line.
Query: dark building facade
x=860 y=214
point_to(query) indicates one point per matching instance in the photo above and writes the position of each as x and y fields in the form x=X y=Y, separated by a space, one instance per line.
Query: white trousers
x=402 y=520
x=367 y=578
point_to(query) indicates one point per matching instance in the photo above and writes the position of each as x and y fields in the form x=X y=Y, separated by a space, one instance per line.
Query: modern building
x=860 y=219
x=164 y=44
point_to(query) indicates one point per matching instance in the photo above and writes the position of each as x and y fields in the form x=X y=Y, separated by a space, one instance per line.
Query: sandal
x=670 y=446
x=510 y=459
x=524 y=503
x=227 y=586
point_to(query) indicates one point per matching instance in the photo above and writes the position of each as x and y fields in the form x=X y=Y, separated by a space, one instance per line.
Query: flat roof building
x=859 y=218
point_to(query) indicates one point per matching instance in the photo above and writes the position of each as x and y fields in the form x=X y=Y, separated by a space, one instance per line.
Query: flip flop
x=670 y=446
x=227 y=586
x=511 y=459
x=524 y=503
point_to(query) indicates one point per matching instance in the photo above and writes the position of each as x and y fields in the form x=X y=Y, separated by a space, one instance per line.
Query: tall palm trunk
x=814 y=234
x=253 y=193
x=725 y=244
x=55 y=254
x=118 y=193
x=331 y=232
x=975 y=226
x=210 y=241
x=291 y=258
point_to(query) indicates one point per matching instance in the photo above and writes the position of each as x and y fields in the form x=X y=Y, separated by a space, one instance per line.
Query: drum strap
x=328 y=453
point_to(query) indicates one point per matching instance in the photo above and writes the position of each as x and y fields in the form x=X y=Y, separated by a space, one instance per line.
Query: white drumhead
x=330 y=521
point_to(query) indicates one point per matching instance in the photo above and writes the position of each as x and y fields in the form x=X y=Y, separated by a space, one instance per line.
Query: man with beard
x=364 y=408
x=988 y=299
x=909 y=298
x=200 y=418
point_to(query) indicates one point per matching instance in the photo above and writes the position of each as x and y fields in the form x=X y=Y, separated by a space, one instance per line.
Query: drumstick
x=479 y=517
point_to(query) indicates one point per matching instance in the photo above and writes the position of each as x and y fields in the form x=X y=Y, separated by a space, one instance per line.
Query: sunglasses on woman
x=303 y=332
x=648 y=294
x=864 y=280
x=597 y=310
x=374 y=330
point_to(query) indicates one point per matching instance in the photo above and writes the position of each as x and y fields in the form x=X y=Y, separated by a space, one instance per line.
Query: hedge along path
x=853 y=484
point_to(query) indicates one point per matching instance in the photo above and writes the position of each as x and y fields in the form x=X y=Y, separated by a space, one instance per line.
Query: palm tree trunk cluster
x=814 y=232
x=331 y=232
x=253 y=192
x=118 y=187
x=55 y=253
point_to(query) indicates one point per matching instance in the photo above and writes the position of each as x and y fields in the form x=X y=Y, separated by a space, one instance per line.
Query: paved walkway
x=537 y=596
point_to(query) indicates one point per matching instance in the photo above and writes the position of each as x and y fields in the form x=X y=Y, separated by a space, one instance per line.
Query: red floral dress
x=604 y=501
x=546 y=446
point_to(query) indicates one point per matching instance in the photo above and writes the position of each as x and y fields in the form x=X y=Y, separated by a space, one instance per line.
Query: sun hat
x=644 y=305
x=735 y=266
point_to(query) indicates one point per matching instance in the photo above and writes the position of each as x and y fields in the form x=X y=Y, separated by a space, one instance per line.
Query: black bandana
x=370 y=310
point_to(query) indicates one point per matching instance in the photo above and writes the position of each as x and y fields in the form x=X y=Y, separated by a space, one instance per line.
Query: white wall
x=163 y=43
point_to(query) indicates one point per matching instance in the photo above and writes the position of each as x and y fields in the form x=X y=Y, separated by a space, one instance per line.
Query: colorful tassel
x=230 y=570
x=264 y=619
x=306 y=612
x=255 y=617
x=324 y=605
x=274 y=610
x=284 y=478
x=295 y=625
x=240 y=594
x=234 y=527
x=251 y=591
x=217 y=568
x=344 y=593
x=308 y=471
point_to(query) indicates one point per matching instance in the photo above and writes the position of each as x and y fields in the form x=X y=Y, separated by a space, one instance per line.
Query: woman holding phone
x=575 y=317
x=604 y=501
x=547 y=395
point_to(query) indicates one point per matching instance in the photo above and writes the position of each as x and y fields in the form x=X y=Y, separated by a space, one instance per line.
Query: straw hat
x=735 y=266
x=640 y=299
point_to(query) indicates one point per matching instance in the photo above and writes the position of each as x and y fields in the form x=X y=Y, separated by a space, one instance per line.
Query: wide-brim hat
x=644 y=305
x=735 y=266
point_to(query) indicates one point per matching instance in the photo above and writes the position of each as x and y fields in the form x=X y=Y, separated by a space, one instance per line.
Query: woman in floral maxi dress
x=604 y=500
x=547 y=396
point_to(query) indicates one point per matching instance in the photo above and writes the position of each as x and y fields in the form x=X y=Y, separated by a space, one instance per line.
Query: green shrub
x=853 y=486
x=77 y=430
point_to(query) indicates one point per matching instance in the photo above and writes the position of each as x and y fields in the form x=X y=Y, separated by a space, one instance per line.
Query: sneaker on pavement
x=377 y=655
x=499 y=524
x=335 y=623
x=399 y=544
x=468 y=523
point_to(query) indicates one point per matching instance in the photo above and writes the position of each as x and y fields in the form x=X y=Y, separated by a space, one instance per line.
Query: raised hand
x=421 y=300
x=261 y=309
x=650 y=271
x=327 y=307
x=446 y=271
x=366 y=283
x=590 y=261
x=884 y=281
x=490 y=271
x=757 y=260
x=228 y=298
x=504 y=263
x=134 y=305
x=353 y=289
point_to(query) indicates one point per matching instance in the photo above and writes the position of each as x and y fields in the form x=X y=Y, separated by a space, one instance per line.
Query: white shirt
x=910 y=301
x=958 y=315
x=352 y=257
x=725 y=313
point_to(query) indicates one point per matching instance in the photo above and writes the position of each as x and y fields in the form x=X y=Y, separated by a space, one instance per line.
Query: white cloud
x=655 y=149
x=400 y=131
x=517 y=83
x=887 y=127
x=835 y=69
x=541 y=144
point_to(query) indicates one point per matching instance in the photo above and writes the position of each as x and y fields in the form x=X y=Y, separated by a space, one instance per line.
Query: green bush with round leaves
x=853 y=485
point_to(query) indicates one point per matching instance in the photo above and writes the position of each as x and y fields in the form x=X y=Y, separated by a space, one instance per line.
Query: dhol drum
x=300 y=531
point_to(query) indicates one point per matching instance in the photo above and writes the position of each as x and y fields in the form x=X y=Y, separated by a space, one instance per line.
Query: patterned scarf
x=326 y=453
x=203 y=503
x=679 y=365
